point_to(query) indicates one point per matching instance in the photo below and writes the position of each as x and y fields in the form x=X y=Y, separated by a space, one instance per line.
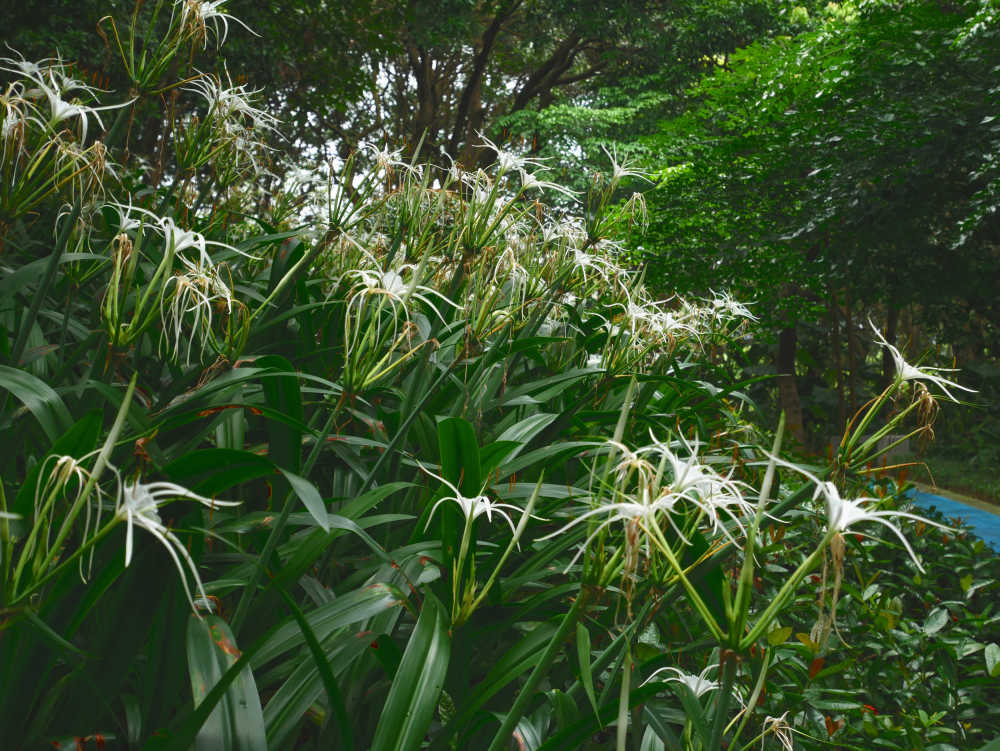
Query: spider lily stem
x=464 y=613
x=293 y=272
x=527 y=693
x=72 y=558
x=886 y=430
x=696 y=599
x=786 y=591
x=729 y=660
x=622 y=723
x=742 y=605
x=456 y=584
x=84 y=497
x=874 y=406
x=744 y=716
x=40 y=294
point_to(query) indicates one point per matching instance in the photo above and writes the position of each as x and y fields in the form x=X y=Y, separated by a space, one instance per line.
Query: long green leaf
x=237 y=722
x=583 y=656
x=347 y=609
x=325 y=672
x=39 y=398
x=414 y=694
x=310 y=497
x=283 y=394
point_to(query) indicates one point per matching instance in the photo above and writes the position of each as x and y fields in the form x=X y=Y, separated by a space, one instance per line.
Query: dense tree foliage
x=856 y=161
x=546 y=73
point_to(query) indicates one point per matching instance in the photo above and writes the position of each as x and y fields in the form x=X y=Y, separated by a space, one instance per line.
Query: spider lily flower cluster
x=67 y=488
x=188 y=291
x=859 y=446
x=907 y=372
x=655 y=493
x=42 y=153
x=64 y=95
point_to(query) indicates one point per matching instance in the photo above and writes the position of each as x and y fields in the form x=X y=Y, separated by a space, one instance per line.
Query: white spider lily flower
x=636 y=210
x=385 y=159
x=725 y=304
x=183 y=239
x=65 y=471
x=622 y=168
x=628 y=512
x=842 y=513
x=199 y=14
x=27 y=68
x=531 y=182
x=472 y=507
x=126 y=222
x=509 y=269
x=391 y=284
x=907 y=372
x=667 y=326
x=652 y=319
x=138 y=505
x=508 y=161
x=699 y=684
x=781 y=729
x=61 y=109
x=193 y=292
x=641 y=510
x=583 y=261
x=232 y=101
x=566 y=230
x=702 y=486
x=632 y=461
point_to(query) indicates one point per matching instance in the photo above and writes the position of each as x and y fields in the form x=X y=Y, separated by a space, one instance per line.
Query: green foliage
x=410 y=459
x=858 y=153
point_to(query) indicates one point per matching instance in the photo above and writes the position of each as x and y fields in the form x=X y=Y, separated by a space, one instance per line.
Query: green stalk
x=885 y=430
x=722 y=706
x=95 y=475
x=868 y=417
x=502 y=737
x=271 y=544
x=696 y=599
x=786 y=591
x=86 y=546
x=621 y=734
x=754 y=696
x=293 y=272
x=456 y=583
x=746 y=575
x=43 y=288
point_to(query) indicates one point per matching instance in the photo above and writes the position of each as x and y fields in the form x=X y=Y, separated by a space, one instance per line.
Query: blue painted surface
x=985 y=524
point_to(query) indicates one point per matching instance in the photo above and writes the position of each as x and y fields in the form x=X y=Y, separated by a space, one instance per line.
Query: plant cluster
x=408 y=460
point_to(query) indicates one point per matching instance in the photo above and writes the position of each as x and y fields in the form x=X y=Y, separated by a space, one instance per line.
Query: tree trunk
x=852 y=351
x=836 y=344
x=788 y=390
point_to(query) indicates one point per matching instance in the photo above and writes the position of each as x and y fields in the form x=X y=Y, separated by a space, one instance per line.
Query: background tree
x=848 y=169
